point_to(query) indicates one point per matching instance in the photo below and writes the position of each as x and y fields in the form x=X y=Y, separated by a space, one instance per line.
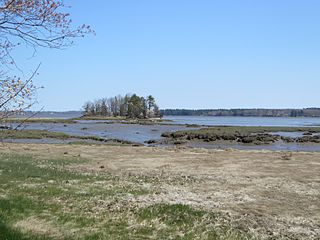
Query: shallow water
x=141 y=133
x=131 y=132
x=245 y=121
x=288 y=134
x=50 y=114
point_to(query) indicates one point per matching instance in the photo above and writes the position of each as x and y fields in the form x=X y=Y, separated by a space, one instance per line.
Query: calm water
x=245 y=121
x=142 y=133
x=131 y=132
x=212 y=121
x=49 y=114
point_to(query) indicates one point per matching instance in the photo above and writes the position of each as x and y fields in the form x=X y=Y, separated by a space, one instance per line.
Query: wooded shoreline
x=250 y=112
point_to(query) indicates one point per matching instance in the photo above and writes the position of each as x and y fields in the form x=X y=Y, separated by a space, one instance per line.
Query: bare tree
x=15 y=95
x=32 y=23
x=104 y=107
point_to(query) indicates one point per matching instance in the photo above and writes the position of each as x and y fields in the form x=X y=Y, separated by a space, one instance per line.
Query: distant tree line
x=130 y=106
x=306 y=112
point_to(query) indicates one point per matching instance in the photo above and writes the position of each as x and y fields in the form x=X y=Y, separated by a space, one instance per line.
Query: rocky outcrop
x=309 y=139
x=211 y=137
x=251 y=138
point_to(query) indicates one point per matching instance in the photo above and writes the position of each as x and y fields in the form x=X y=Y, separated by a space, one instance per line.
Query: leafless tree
x=32 y=23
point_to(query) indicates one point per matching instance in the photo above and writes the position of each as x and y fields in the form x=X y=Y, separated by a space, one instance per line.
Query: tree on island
x=29 y=23
x=130 y=106
x=151 y=102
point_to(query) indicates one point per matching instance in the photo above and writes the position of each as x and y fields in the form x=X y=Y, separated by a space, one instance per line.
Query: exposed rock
x=192 y=125
x=166 y=134
x=5 y=127
x=287 y=139
x=307 y=134
x=152 y=141
x=247 y=139
x=306 y=139
x=250 y=138
x=179 y=142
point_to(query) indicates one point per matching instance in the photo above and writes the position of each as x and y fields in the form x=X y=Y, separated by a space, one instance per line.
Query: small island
x=128 y=106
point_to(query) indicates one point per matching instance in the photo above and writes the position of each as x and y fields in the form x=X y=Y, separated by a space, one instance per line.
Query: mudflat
x=253 y=194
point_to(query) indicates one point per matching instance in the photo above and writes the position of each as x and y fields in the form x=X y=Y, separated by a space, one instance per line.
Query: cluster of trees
x=306 y=112
x=130 y=106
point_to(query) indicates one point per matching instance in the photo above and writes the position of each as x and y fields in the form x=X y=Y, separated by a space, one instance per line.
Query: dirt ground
x=274 y=195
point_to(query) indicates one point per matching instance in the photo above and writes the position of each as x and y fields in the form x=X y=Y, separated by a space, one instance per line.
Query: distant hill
x=305 y=112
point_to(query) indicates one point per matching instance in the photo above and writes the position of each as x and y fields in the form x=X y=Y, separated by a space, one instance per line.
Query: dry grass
x=271 y=195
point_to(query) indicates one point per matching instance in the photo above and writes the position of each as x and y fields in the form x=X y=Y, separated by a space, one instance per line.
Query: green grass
x=31 y=134
x=40 y=134
x=182 y=219
x=73 y=205
x=7 y=233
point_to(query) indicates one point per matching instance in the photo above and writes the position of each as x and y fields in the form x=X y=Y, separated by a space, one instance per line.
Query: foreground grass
x=41 y=199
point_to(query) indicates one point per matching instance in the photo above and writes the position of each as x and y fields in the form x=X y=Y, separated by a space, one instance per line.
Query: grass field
x=40 y=199
x=119 y=192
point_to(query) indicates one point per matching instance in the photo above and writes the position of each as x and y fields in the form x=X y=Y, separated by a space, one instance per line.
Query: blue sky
x=188 y=54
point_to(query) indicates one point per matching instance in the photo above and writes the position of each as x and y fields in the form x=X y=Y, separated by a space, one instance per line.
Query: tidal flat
x=125 y=130
x=50 y=191
x=153 y=132
x=107 y=180
x=245 y=137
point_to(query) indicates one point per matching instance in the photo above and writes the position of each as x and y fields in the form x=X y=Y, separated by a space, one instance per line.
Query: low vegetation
x=5 y=123
x=251 y=135
x=43 y=134
x=41 y=199
x=110 y=192
x=32 y=134
x=124 y=120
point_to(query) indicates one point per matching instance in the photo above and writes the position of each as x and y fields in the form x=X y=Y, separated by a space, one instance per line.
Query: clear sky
x=189 y=54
